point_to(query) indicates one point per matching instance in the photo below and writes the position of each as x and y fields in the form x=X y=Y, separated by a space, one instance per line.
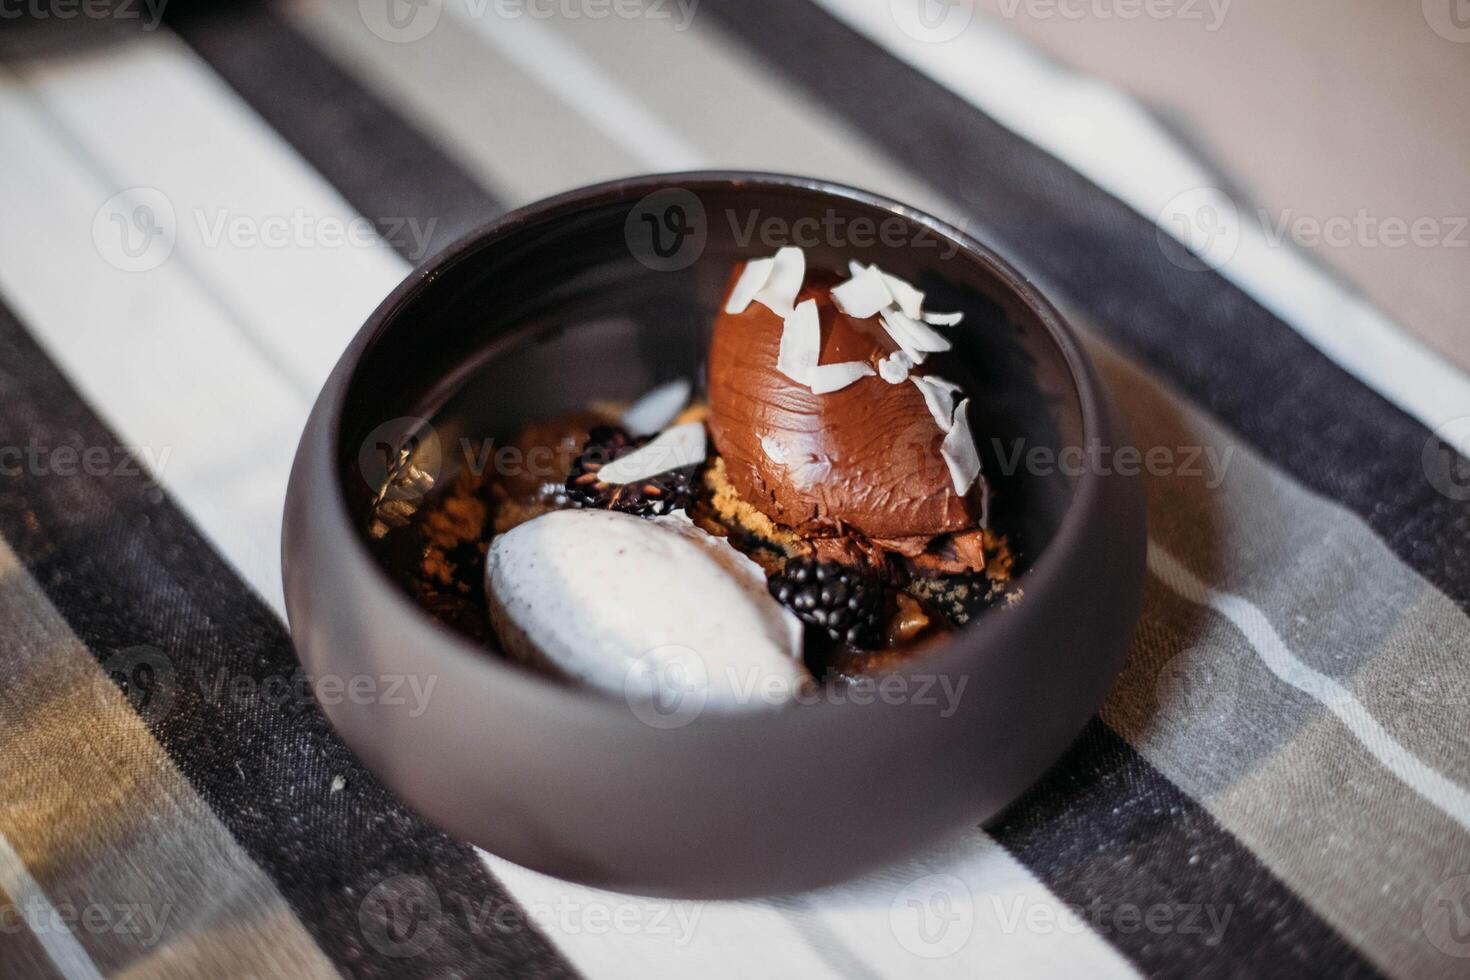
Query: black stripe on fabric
x=1118 y=843
x=211 y=670
x=1105 y=829
x=417 y=196
x=1296 y=407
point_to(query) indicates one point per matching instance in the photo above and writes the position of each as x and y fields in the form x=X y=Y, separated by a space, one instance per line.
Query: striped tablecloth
x=1277 y=785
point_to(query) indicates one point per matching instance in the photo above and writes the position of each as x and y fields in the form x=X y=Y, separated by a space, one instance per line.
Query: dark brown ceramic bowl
x=575 y=298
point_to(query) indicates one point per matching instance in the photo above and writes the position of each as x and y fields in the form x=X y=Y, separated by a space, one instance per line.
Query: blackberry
x=851 y=607
x=656 y=495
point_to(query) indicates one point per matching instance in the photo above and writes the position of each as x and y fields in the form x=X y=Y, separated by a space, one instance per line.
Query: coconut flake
x=909 y=299
x=788 y=271
x=801 y=342
x=825 y=378
x=943 y=319
x=902 y=293
x=657 y=407
x=914 y=336
x=895 y=367
x=863 y=295
x=683 y=445
x=803 y=468
x=752 y=280
x=958 y=450
x=938 y=396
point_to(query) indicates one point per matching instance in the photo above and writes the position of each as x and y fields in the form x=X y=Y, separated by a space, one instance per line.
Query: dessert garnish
x=593 y=594
x=618 y=472
x=878 y=467
x=851 y=607
x=820 y=514
x=657 y=407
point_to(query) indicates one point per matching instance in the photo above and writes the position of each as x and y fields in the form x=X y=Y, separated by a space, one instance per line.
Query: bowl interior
x=570 y=305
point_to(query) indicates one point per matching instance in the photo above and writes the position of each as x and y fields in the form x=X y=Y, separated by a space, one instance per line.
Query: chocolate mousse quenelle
x=820 y=514
x=830 y=420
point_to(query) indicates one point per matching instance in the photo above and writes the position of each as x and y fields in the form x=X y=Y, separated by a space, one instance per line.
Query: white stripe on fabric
x=540 y=53
x=1253 y=624
x=265 y=233
x=206 y=411
x=41 y=917
x=1111 y=140
x=965 y=908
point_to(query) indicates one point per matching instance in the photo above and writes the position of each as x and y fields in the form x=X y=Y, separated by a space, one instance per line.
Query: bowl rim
x=950 y=655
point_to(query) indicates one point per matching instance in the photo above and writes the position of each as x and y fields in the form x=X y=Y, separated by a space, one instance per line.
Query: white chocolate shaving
x=788 y=271
x=939 y=396
x=914 y=336
x=683 y=445
x=895 y=367
x=825 y=378
x=804 y=469
x=863 y=295
x=909 y=299
x=958 y=450
x=657 y=407
x=943 y=319
x=752 y=280
x=801 y=342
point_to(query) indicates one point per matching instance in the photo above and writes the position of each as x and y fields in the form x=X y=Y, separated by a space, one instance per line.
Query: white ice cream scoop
x=643 y=608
